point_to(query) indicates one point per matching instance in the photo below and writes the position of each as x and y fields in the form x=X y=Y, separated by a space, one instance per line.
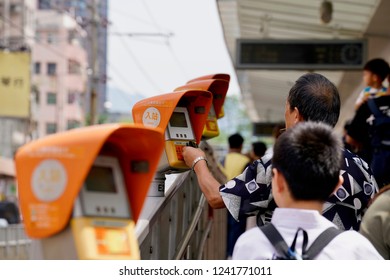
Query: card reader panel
x=103 y=193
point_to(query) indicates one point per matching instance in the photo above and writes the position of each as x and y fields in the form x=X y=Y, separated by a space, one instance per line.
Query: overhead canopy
x=264 y=91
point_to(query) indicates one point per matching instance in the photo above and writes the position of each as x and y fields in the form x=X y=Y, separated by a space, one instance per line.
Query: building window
x=73 y=124
x=38 y=37
x=37 y=68
x=74 y=67
x=51 y=38
x=37 y=96
x=51 y=128
x=51 y=69
x=73 y=38
x=71 y=97
x=44 y=4
x=51 y=98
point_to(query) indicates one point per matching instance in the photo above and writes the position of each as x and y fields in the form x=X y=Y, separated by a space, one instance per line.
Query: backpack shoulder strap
x=321 y=241
x=380 y=117
x=373 y=108
x=276 y=239
x=283 y=250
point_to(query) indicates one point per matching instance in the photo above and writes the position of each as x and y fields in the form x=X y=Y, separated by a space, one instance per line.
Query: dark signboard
x=301 y=54
x=268 y=128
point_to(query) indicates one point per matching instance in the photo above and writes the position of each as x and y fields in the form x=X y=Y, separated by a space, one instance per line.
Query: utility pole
x=95 y=64
x=6 y=16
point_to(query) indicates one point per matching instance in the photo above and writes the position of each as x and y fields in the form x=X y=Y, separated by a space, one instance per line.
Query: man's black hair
x=309 y=156
x=379 y=67
x=235 y=141
x=259 y=148
x=316 y=98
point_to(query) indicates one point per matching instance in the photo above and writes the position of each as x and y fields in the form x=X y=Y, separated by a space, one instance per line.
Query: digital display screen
x=178 y=119
x=295 y=54
x=101 y=179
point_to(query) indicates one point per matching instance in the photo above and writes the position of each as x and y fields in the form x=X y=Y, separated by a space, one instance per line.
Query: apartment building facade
x=59 y=77
x=16 y=40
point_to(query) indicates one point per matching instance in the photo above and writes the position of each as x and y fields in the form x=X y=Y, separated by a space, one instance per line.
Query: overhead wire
x=123 y=94
x=121 y=77
x=138 y=64
x=167 y=43
x=132 y=16
x=153 y=23
x=144 y=37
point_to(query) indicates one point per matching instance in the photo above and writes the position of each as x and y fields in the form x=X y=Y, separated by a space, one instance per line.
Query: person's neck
x=304 y=204
x=235 y=150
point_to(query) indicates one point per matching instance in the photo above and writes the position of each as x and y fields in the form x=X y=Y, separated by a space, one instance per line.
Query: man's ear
x=297 y=116
x=279 y=180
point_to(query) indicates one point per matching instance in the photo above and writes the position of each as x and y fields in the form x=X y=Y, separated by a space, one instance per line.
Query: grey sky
x=183 y=40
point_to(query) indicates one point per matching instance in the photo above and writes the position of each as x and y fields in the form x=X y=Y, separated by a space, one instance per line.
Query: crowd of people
x=311 y=171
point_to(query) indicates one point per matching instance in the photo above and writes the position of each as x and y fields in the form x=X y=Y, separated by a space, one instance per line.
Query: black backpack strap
x=276 y=240
x=321 y=241
x=284 y=252
x=304 y=242
x=380 y=131
x=380 y=117
x=373 y=108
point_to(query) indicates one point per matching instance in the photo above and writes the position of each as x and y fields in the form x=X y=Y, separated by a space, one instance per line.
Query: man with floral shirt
x=313 y=97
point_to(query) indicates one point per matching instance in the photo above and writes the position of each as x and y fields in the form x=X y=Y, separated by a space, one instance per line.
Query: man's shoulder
x=356 y=167
x=347 y=241
x=357 y=172
x=346 y=206
x=353 y=159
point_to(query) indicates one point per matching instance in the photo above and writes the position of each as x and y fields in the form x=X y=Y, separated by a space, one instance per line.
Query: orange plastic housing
x=218 y=87
x=55 y=167
x=156 y=111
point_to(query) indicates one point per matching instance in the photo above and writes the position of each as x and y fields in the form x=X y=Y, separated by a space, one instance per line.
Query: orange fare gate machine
x=220 y=76
x=218 y=85
x=182 y=115
x=82 y=191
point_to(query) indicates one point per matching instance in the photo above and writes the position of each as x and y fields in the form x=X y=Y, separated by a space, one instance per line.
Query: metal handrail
x=14 y=244
x=204 y=238
x=187 y=237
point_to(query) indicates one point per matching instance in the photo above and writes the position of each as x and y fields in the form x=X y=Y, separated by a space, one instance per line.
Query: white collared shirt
x=349 y=245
